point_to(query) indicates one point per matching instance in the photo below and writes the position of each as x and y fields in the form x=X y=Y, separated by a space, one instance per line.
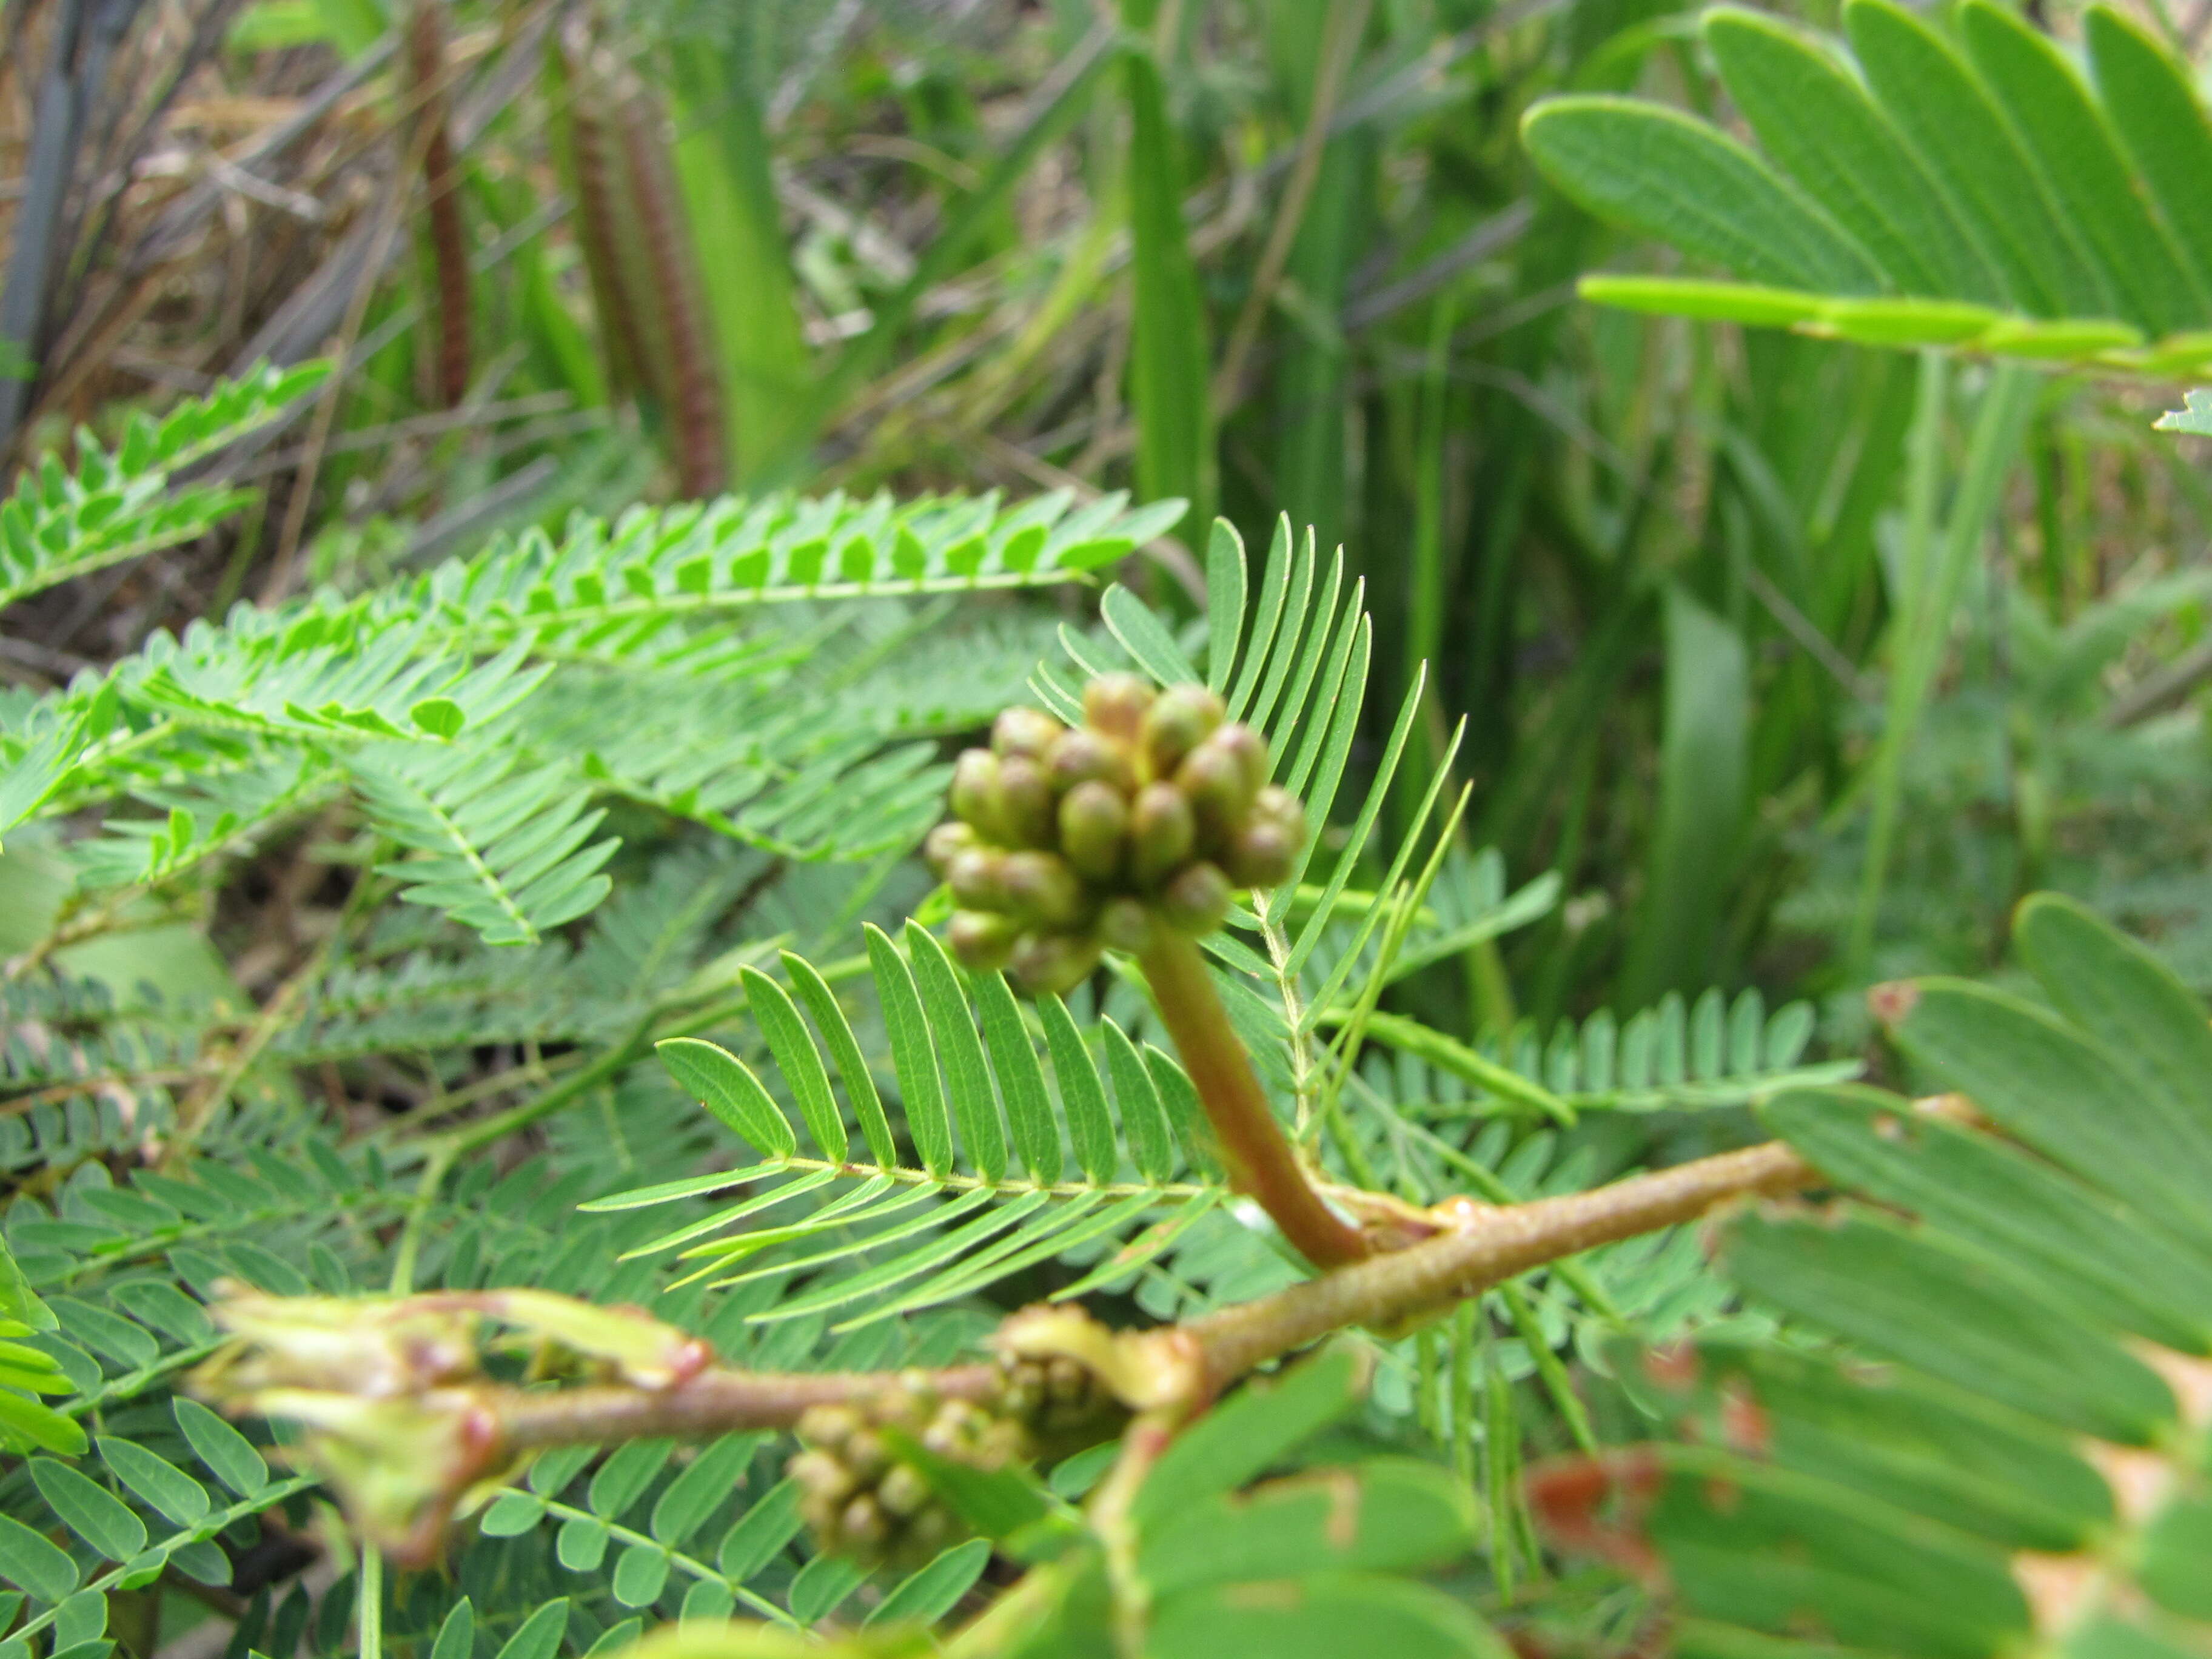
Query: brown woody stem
x=1493 y=1246
x=716 y=1402
x=1260 y=1159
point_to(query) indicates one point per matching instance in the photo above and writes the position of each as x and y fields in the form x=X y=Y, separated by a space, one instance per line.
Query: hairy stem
x=1495 y=1245
x=1258 y=1155
x=717 y=1401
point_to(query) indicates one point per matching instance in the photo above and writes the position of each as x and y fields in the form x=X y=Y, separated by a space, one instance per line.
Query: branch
x=1492 y=1246
x=397 y=1410
x=718 y=1400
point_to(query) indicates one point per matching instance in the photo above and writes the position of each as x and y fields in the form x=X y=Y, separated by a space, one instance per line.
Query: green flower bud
x=829 y=1426
x=822 y=1478
x=862 y=1526
x=1040 y=887
x=1082 y=755
x=1055 y=962
x=903 y=1492
x=978 y=880
x=983 y=941
x=1250 y=750
x=1124 y=924
x=1068 y=1381
x=1025 y=802
x=867 y=1456
x=1196 y=899
x=1094 y=825
x=947 y=843
x=975 y=790
x=1213 y=780
x=1180 y=719
x=1263 y=855
x=1115 y=704
x=1276 y=805
x=1162 y=833
x=1019 y=731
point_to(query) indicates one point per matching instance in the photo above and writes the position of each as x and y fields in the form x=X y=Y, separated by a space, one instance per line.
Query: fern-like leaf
x=881 y=1239
x=502 y=848
x=118 y=503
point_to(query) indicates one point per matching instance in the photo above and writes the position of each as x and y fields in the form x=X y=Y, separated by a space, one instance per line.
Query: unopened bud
x=1055 y=962
x=1025 y=803
x=862 y=1525
x=1161 y=833
x=1263 y=855
x=1028 y=731
x=1066 y=1381
x=1082 y=755
x=822 y=1477
x=829 y=1426
x=1250 y=750
x=1196 y=900
x=903 y=1492
x=1212 y=779
x=978 y=880
x=975 y=792
x=1177 y=722
x=983 y=941
x=1040 y=887
x=1115 y=704
x=1094 y=823
x=1275 y=804
x=947 y=843
x=1124 y=924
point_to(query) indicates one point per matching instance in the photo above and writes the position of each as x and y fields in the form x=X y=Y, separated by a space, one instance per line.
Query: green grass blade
x=1170 y=360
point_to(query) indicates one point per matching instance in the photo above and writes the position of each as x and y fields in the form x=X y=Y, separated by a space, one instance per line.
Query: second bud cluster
x=1068 y=839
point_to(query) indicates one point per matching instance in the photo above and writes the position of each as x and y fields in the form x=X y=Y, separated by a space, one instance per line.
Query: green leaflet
x=1917 y=1446
x=2117 y=992
x=725 y=1086
x=2066 y=1096
x=1947 y=116
x=1386 y=1515
x=1688 y=184
x=1818 y=123
x=2078 y=158
x=1779 y=1548
x=927 y=1595
x=2088 y=1250
x=2010 y=210
x=1260 y=1426
x=1020 y=1077
x=1984 y=1325
x=2163 y=126
x=798 y=1058
x=1321 y=1617
x=952 y=1034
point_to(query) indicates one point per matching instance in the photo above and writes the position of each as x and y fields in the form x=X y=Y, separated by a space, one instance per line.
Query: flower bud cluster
x=1066 y=840
x=1058 y=1401
x=863 y=1500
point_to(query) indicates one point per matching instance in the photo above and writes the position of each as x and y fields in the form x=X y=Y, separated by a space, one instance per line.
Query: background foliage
x=404 y=732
